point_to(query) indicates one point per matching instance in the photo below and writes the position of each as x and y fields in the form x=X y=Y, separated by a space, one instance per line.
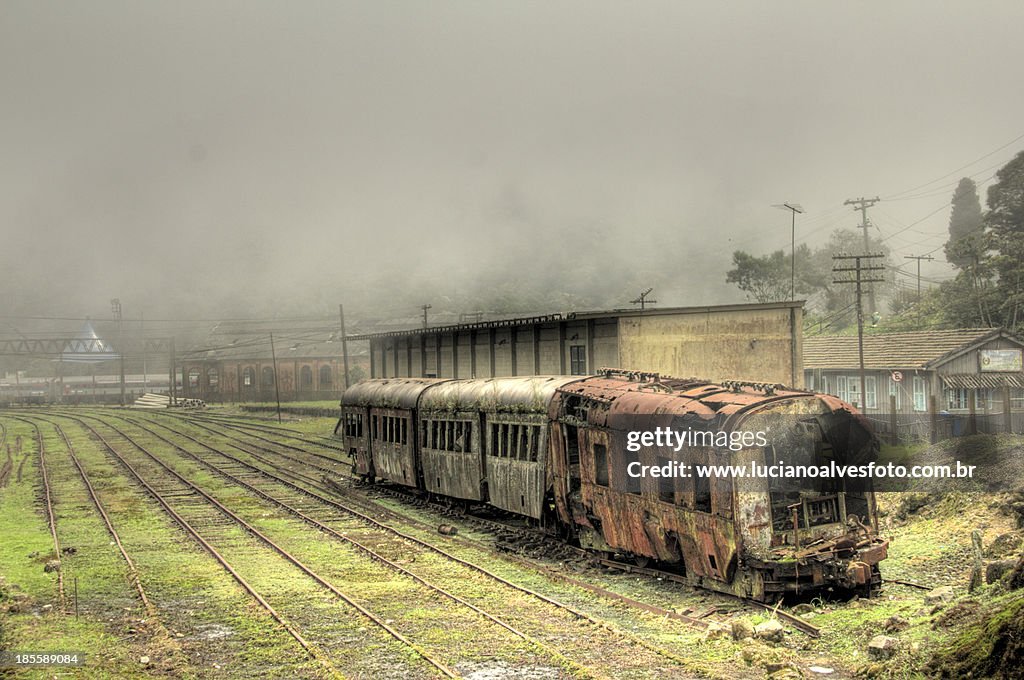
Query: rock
x=940 y=595
x=802 y=608
x=51 y=566
x=782 y=671
x=447 y=530
x=716 y=631
x=742 y=629
x=882 y=647
x=821 y=670
x=144 y=660
x=1003 y=546
x=895 y=624
x=770 y=631
x=995 y=570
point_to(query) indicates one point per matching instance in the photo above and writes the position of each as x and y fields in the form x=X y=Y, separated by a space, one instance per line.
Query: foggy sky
x=256 y=158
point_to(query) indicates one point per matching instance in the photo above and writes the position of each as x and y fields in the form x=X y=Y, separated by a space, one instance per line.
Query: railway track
x=48 y=503
x=189 y=500
x=528 y=534
x=538 y=538
x=319 y=492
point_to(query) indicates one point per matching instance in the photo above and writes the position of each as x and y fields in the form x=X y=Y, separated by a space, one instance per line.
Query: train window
x=601 y=464
x=424 y=428
x=666 y=485
x=405 y=431
x=632 y=484
x=524 y=442
x=353 y=425
x=702 y=486
x=375 y=427
x=534 y=443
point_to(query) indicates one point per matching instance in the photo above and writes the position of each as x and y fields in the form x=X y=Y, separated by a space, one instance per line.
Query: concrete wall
x=763 y=344
x=738 y=342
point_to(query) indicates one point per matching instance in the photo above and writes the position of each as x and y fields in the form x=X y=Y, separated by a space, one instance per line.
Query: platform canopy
x=87 y=348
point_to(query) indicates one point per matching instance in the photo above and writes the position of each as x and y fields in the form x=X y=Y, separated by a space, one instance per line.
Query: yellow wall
x=762 y=345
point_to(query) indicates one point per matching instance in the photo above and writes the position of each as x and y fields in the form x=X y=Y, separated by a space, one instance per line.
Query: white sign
x=897 y=376
x=1000 y=360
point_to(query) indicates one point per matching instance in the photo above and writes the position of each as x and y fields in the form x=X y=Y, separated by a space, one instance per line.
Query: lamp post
x=115 y=307
x=793 y=208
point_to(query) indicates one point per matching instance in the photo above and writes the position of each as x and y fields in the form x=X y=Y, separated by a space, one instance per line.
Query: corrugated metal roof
x=390 y=392
x=521 y=394
x=918 y=349
x=973 y=381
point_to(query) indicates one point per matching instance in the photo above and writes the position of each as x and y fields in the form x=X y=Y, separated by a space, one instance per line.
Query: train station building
x=756 y=342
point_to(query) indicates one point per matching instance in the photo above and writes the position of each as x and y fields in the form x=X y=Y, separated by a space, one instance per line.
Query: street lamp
x=794 y=208
x=115 y=307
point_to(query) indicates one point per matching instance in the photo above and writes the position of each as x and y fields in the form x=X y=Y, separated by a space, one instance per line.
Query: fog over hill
x=203 y=160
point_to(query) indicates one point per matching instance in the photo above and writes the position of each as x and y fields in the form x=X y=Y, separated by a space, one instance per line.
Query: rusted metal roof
x=918 y=349
x=974 y=381
x=521 y=394
x=388 y=392
x=577 y=316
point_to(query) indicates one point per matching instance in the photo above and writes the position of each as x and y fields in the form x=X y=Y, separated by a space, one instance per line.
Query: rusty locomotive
x=554 y=449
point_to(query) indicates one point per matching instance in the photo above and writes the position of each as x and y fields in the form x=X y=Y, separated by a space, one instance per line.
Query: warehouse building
x=757 y=342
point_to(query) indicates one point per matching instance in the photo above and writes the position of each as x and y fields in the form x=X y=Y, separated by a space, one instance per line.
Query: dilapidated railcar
x=378 y=426
x=487 y=440
x=555 y=449
x=726 y=532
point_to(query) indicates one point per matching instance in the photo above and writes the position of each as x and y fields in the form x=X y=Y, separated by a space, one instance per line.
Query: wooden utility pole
x=918 y=258
x=862 y=204
x=344 y=348
x=862 y=263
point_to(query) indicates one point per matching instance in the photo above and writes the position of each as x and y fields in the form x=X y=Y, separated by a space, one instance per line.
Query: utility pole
x=142 y=332
x=862 y=204
x=344 y=347
x=918 y=258
x=793 y=208
x=862 y=263
x=425 y=308
x=642 y=300
x=115 y=307
x=277 y=390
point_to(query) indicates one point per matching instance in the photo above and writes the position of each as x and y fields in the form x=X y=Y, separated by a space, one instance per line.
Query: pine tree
x=1005 y=220
x=965 y=245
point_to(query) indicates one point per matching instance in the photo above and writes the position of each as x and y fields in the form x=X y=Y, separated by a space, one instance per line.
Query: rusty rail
x=366 y=518
x=315 y=652
x=281 y=551
x=50 y=518
x=555 y=654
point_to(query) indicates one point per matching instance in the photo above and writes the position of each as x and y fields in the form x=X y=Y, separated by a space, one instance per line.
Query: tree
x=769 y=278
x=966 y=228
x=1005 y=220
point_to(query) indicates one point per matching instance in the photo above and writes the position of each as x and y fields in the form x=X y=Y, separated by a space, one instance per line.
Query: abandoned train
x=554 y=449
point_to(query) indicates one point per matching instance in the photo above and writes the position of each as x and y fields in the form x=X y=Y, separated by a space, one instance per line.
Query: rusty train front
x=556 y=449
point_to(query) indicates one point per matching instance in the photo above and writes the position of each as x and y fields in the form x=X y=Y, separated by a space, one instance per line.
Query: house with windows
x=954 y=372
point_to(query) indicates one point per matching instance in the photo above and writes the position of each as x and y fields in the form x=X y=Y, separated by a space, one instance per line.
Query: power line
x=907 y=191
